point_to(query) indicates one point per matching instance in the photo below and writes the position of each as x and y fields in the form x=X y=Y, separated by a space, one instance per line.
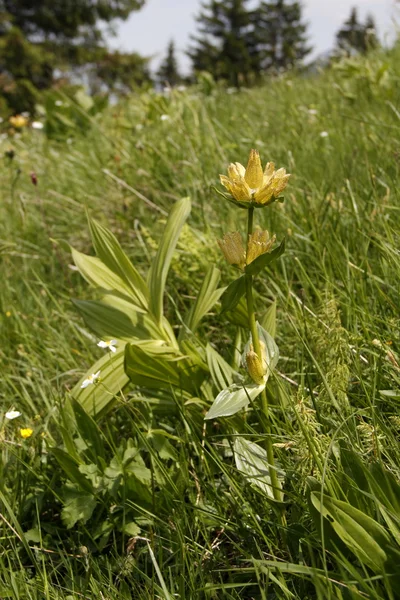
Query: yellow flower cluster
x=26 y=433
x=259 y=242
x=252 y=184
x=18 y=121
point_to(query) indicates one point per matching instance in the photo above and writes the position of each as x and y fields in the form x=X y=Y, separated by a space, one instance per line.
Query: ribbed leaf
x=109 y=251
x=252 y=461
x=221 y=372
x=99 y=397
x=364 y=536
x=161 y=263
x=268 y=320
x=107 y=322
x=231 y=400
x=99 y=275
x=207 y=297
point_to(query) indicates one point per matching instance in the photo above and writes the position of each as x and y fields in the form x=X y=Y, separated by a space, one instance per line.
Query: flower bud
x=255 y=367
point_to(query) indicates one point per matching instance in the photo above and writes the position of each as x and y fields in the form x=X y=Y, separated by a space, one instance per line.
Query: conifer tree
x=36 y=36
x=168 y=72
x=222 y=46
x=280 y=39
x=356 y=36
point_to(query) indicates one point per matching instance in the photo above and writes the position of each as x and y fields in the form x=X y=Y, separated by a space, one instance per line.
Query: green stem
x=257 y=349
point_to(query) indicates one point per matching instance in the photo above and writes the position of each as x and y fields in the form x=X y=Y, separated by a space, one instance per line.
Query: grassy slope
x=341 y=220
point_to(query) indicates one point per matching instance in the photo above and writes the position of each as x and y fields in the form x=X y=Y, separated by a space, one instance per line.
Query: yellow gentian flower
x=18 y=121
x=232 y=247
x=233 y=250
x=259 y=243
x=26 y=433
x=251 y=186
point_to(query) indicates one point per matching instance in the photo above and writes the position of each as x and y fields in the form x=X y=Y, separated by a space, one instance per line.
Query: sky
x=149 y=30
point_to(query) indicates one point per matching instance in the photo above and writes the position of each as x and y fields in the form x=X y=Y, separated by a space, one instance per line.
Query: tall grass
x=335 y=409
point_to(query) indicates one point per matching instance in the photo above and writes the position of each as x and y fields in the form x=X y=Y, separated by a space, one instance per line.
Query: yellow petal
x=226 y=182
x=259 y=243
x=269 y=169
x=240 y=190
x=254 y=172
x=264 y=195
x=236 y=171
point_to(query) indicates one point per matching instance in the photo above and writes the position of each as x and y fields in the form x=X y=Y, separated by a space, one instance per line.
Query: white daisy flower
x=12 y=414
x=91 y=379
x=37 y=125
x=110 y=345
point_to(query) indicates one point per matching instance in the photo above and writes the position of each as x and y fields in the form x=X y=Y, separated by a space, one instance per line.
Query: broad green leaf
x=77 y=507
x=161 y=263
x=252 y=461
x=99 y=397
x=231 y=400
x=232 y=294
x=108 y=322
x=71 y=468
x=109 y=251
x=99 y=275
x=221 y=372
x=147 y=370
x=268 y=320
x=364 y=536
x=207 y=297
x=89 y=432
x=239 y=315
x=264 y=260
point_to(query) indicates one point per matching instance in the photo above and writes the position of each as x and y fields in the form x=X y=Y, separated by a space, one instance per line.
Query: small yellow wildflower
x=259 y=243
x=8 y=313
x=252 y=185
x=26 y=433
x=18 y=121
x=232 y=247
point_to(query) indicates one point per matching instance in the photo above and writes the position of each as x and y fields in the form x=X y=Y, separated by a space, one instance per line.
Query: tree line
x=235 y=42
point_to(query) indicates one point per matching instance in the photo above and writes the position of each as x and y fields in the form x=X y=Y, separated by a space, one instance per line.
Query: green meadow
x=122 y=489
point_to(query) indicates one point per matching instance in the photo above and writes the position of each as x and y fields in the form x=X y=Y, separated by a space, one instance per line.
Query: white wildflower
x=110 y=345
x=12 y=414
x=37 y=125
x=324 y=134
x=312 y=111
x=91 y=379
x=164 y=117
x=59 y=102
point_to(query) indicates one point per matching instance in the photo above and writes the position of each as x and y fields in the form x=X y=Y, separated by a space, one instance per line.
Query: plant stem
x=257 y=349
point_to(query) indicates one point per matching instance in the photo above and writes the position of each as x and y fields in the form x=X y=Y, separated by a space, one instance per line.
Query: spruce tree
x=168 y=72
x=36 y=36
x=280 y=40
x=222 y=46
x=356 y=36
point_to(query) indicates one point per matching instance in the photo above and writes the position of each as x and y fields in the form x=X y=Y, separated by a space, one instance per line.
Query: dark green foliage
x=37 y=37
x=357 y=36
x=222 y=46
x=280 y=40
x=237 y=43
x=168 y=73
